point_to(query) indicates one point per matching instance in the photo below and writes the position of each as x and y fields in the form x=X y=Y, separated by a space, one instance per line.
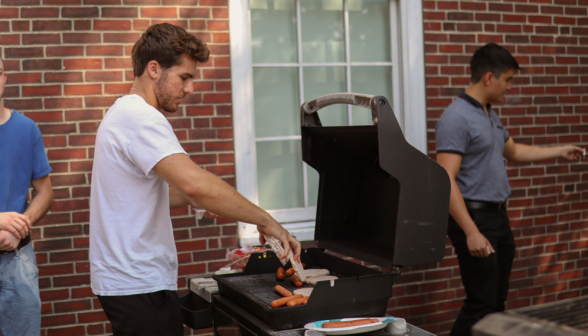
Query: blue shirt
x=465 y=129
x=22 y=159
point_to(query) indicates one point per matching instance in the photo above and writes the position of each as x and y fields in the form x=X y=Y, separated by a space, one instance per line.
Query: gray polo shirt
x=465 y=129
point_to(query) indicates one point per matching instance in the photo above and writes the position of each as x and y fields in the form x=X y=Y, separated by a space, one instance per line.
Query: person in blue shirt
x=472 y=144
x=23 y=163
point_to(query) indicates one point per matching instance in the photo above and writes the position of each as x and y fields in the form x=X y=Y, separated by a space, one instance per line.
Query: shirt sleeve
x=452 y=134
x=40 y=162
x=154 y=141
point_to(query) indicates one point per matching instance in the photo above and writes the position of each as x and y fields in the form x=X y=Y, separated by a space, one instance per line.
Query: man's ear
x=488 y=78
x=154 y=69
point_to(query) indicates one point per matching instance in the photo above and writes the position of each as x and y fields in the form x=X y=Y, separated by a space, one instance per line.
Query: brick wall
x=68 y=60
x=548 y=105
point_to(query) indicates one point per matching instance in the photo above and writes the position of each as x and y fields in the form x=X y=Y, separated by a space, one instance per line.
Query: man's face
x=499 y=86
x=175 y=83
x=3 y=77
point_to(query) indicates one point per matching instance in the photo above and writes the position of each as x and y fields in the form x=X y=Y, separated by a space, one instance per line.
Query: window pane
x=373 y=80
x=323 y=34
x=279 y=174
x=320 y=81
x=312 y=176
x=273 y=31
x=276 y=102
x=369 y=30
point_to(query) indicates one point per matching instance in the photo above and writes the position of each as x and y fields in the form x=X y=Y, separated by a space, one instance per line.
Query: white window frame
x=409 y=103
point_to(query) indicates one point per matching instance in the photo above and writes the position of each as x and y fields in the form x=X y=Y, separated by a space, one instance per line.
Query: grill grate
x=572 y=313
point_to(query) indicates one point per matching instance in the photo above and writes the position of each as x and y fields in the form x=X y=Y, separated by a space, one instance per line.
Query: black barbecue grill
x=562 y=318
x=380 y=200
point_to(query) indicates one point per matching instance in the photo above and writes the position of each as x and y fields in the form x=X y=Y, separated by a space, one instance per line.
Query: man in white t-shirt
x=141 y=171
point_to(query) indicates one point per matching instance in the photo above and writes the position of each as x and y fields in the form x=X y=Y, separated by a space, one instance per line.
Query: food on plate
x=290 y=271
x=314 y=280
x=298 y=302
x=283 y=301
x=282 y=291
x=295 y=281
x=280 y=273
x=353 y=323
x=303 y=291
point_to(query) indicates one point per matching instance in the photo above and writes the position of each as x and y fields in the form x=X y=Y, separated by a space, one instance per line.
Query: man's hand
x=8 y=242
x=17 y=224
x=478 y=245
x=274 y=229
x=572 y=153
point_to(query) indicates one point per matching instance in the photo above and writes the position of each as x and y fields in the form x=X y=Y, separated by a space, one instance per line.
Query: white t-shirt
x=132 y=247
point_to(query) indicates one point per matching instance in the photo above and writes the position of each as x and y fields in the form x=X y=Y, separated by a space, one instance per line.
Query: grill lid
x=380 y=200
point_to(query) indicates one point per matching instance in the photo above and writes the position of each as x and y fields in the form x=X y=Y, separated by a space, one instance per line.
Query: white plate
x=350 y=330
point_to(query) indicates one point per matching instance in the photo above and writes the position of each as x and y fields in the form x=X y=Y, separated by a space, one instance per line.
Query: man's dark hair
x=166 y=43
x=491 y=58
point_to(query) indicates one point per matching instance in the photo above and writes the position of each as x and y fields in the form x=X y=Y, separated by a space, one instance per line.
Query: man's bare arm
x=42 y=199
x=177 y=199
x=477 y=244
x=524 y=153
x=214 y=195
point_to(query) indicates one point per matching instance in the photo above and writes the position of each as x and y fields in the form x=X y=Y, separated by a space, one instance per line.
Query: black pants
x=150 y=314
x=485 y=279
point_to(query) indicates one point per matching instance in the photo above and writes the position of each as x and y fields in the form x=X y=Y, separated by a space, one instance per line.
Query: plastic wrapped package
x=239 y=257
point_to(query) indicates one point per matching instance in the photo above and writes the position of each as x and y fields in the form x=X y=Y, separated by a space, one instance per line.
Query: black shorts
x=150 y=314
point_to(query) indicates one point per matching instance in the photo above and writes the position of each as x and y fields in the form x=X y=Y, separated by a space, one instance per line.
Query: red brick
x=120 y=12
x=31 y=52
x=50 y=270
x=112 y=25
x=79 y=12
x=63 y=102
x=121 y=37
x=35 y=91
x=8 y=13
x=88 y=89
x=45 y=25
x=60 y=77
x=82 y=38
x=58 y=320
x=64 y=51
x=158 y=12
x=70 y=331
x=82 y=64
x=41 y=38
x=37 y=12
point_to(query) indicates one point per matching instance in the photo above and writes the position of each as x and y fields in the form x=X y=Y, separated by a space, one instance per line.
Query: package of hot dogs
x=240 y=256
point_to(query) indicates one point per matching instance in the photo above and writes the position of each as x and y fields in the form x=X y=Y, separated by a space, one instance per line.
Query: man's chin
x=170 y=109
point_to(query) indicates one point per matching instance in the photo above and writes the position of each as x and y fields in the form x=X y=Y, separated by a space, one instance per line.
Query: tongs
x=276 y=246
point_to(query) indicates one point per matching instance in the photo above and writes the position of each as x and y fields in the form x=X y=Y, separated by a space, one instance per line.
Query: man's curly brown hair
x=166 y=43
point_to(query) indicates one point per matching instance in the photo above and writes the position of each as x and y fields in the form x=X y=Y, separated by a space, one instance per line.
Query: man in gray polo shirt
x=471 y=145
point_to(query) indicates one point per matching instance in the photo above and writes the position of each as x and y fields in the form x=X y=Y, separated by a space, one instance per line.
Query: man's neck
x=477 y=93
x=4 y=114
x=144 y=89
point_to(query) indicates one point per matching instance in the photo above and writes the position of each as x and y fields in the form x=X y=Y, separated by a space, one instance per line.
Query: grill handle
x=357 y=99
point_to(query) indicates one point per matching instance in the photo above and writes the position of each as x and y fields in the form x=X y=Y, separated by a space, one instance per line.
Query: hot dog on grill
x=289 y=271
x=280 y=273
x=283 y=291
x=295 y=281
x=283 y=301
x=353 y=323
x=298 y=302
